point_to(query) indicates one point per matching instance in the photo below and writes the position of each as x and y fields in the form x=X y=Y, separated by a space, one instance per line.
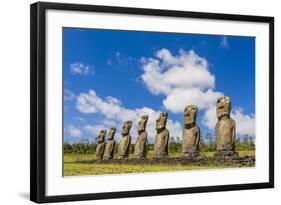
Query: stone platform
x=196 y=161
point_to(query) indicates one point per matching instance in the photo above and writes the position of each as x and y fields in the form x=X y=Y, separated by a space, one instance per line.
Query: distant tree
x=207 y=143
x=174 y=144
x=172 y=140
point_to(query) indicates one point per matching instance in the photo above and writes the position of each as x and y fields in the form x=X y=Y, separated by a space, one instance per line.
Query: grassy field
x=71 y=168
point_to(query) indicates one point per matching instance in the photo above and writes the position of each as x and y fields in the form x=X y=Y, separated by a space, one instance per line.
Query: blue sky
x=111 y=76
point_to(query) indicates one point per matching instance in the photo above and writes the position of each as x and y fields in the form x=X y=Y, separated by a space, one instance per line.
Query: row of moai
x=225 y=135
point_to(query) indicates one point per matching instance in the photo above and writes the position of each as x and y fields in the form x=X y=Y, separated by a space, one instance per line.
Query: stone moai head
x=223 y=106
x=101 y=135
x=111 y=133
x=142 y=123
x=161 y=121
x=126 y=127
x=190 y=114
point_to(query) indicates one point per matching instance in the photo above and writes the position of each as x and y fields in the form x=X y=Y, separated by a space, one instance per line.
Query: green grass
x=77 y=169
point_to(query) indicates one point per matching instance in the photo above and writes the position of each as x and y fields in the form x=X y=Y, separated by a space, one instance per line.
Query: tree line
x=207 y=144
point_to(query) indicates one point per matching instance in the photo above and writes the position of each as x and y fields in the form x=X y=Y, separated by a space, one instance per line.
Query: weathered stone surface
x=247 y=161
x=225 y=129
x=125 y=142
x=191 y=132
x=109 y=147
x=101 y=144
x=140 y=146
x=226 y=154
x=162 y=136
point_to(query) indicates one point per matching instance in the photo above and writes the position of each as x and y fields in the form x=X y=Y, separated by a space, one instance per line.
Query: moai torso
x=101 y=145
x=225 y=132
x=161 y=144
x=109 y=147
x=162 y=136
x=125 y=142
x=190 y=140
x=140 y=146
x=191 y=132
x=123 y=147
x=225 y=127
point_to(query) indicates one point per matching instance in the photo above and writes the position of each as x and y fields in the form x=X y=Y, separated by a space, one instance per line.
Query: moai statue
x=140 y=146
x=109 y=147
x=162 y=136
x=101 y=144
x=225 y=130
x=191 y=132
x=125 y=142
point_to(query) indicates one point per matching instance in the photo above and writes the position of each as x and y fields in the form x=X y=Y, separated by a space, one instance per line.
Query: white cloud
x=185 y=79
x=224 y=42
x=166 y=72
x=114 y=114
x=74 y=131
x=93 y=129
x=90 y=103
x=180 y=98
x=81 y=69
x=210 y=118
x=245 y=124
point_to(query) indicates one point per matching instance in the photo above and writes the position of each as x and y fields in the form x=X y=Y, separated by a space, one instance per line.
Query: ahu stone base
x=194 y=161
x=226 y=154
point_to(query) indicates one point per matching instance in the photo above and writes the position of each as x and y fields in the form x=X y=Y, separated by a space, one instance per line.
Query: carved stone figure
x=140 y=146
x=125 y=142
x=225 y=129
x=191 y=132
x=162 y=136
x=109 y=147
x=101 y=144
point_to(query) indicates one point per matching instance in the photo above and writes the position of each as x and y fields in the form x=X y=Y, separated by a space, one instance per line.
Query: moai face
x=161 y=121
x=126 y=127
x=111 y=133
x=223 y=106
x=101 y=135
x=142 y=123
x=190 y=114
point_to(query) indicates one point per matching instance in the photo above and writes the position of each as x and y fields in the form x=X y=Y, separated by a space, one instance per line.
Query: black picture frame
x=38 y=101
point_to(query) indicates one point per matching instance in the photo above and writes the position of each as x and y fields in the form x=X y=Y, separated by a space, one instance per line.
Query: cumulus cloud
x=74 y=131
x=81 y=69
x=245 y=124
x=186 y=79
x=165 y=73
x=91 y=103
x=114 y=114
x=180 y=98
x=93 y=129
